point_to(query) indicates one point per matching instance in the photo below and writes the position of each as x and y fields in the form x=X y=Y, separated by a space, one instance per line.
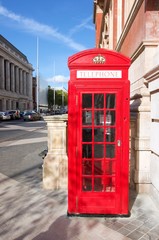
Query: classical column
x=14 y=104
x=12 y=107
x=20 y=82
x=29 y=89
x=25 y=105
x=24 y=85
x=17 y=79
x=1 y=72
x=3 y=104
x=12 y=76
x=29 y=85
x=7 y=75
x=9 y=104
x=56 y=162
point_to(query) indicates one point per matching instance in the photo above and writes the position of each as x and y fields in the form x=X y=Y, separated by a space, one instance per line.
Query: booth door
x=99 y=145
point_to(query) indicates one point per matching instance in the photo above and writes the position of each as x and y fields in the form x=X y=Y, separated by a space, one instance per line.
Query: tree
x=50 y=97
x=61 y=98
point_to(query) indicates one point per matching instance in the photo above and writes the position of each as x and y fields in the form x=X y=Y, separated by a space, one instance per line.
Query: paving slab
x=28 y=212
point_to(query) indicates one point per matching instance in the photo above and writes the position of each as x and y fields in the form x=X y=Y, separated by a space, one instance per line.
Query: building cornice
x=153 y=74
x=7 y=44
x=9 y=54
x=142 y=46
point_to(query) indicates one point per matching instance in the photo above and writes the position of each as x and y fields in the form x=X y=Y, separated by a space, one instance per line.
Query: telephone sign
x=98 y=133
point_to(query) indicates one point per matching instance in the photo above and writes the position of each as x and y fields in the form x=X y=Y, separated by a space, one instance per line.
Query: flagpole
x=54 y=87
x=62 y=97
x=37 y=74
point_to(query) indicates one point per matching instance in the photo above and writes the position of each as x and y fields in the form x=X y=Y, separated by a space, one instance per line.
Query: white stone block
x=149 y=57
x=143 y=161
x=154 y=170
x=142 y=177
x=143 y=124
x=155 y=105
x=154 y=85
x=154 y=140
x=142 y=144
x=156 y=57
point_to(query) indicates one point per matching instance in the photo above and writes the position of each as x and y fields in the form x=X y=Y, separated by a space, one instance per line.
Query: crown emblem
x=99 y=59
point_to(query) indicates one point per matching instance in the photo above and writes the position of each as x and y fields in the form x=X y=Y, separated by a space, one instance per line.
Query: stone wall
x=152 y=79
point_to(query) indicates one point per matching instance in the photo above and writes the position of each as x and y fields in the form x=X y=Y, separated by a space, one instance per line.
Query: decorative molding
x=128 y=23
x=142 y=47
x=99 y=59
x=12 y=57
x=153 y=74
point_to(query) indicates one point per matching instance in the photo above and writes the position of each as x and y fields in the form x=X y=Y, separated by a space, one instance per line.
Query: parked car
x=22 y=113
x=4 y=116
x=14 y=114
x=31 y=116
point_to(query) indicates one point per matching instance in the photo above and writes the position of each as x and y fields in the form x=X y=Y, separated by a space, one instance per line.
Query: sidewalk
x=29 y=212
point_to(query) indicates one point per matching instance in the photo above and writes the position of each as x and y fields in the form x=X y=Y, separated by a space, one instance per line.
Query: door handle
x=119 y=143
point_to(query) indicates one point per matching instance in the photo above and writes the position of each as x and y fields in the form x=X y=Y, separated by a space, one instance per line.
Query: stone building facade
x=34 y=92
x=15 y=78
x=131 y=28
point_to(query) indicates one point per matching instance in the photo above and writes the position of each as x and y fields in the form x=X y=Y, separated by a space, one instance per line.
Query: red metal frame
x=101 y=198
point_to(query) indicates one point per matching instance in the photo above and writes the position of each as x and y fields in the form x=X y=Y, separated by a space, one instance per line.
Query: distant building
x=43 y=99
x=15 y=78
x=34 y=92
x=42 y=96
x=131 y=27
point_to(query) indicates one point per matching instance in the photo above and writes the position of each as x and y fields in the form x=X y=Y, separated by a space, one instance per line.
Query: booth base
x=98 y=215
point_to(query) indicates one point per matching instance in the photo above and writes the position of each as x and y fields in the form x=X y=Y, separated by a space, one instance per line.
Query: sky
x=47 y=33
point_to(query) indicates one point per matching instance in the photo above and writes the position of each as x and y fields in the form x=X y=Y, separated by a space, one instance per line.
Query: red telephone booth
x=98 y=133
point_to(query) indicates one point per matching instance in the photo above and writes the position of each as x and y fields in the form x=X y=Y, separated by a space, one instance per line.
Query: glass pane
x=87 y=135
x=110 y=118
x=87 y=151
x=98 y=168
x=99 y=118
x=87 y=101
x=110 y=134
x=110 y=101
x=98 y=186
x=87 y=117
x=87 y=184
x=110 y=167
x=110 y=185
x=98 y=134
x=110 y=151
x=87 y=168
x=98 y=150
x=99 y=100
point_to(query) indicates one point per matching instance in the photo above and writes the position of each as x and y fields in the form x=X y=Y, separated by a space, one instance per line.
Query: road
x=26 y=208
x=21 y=145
